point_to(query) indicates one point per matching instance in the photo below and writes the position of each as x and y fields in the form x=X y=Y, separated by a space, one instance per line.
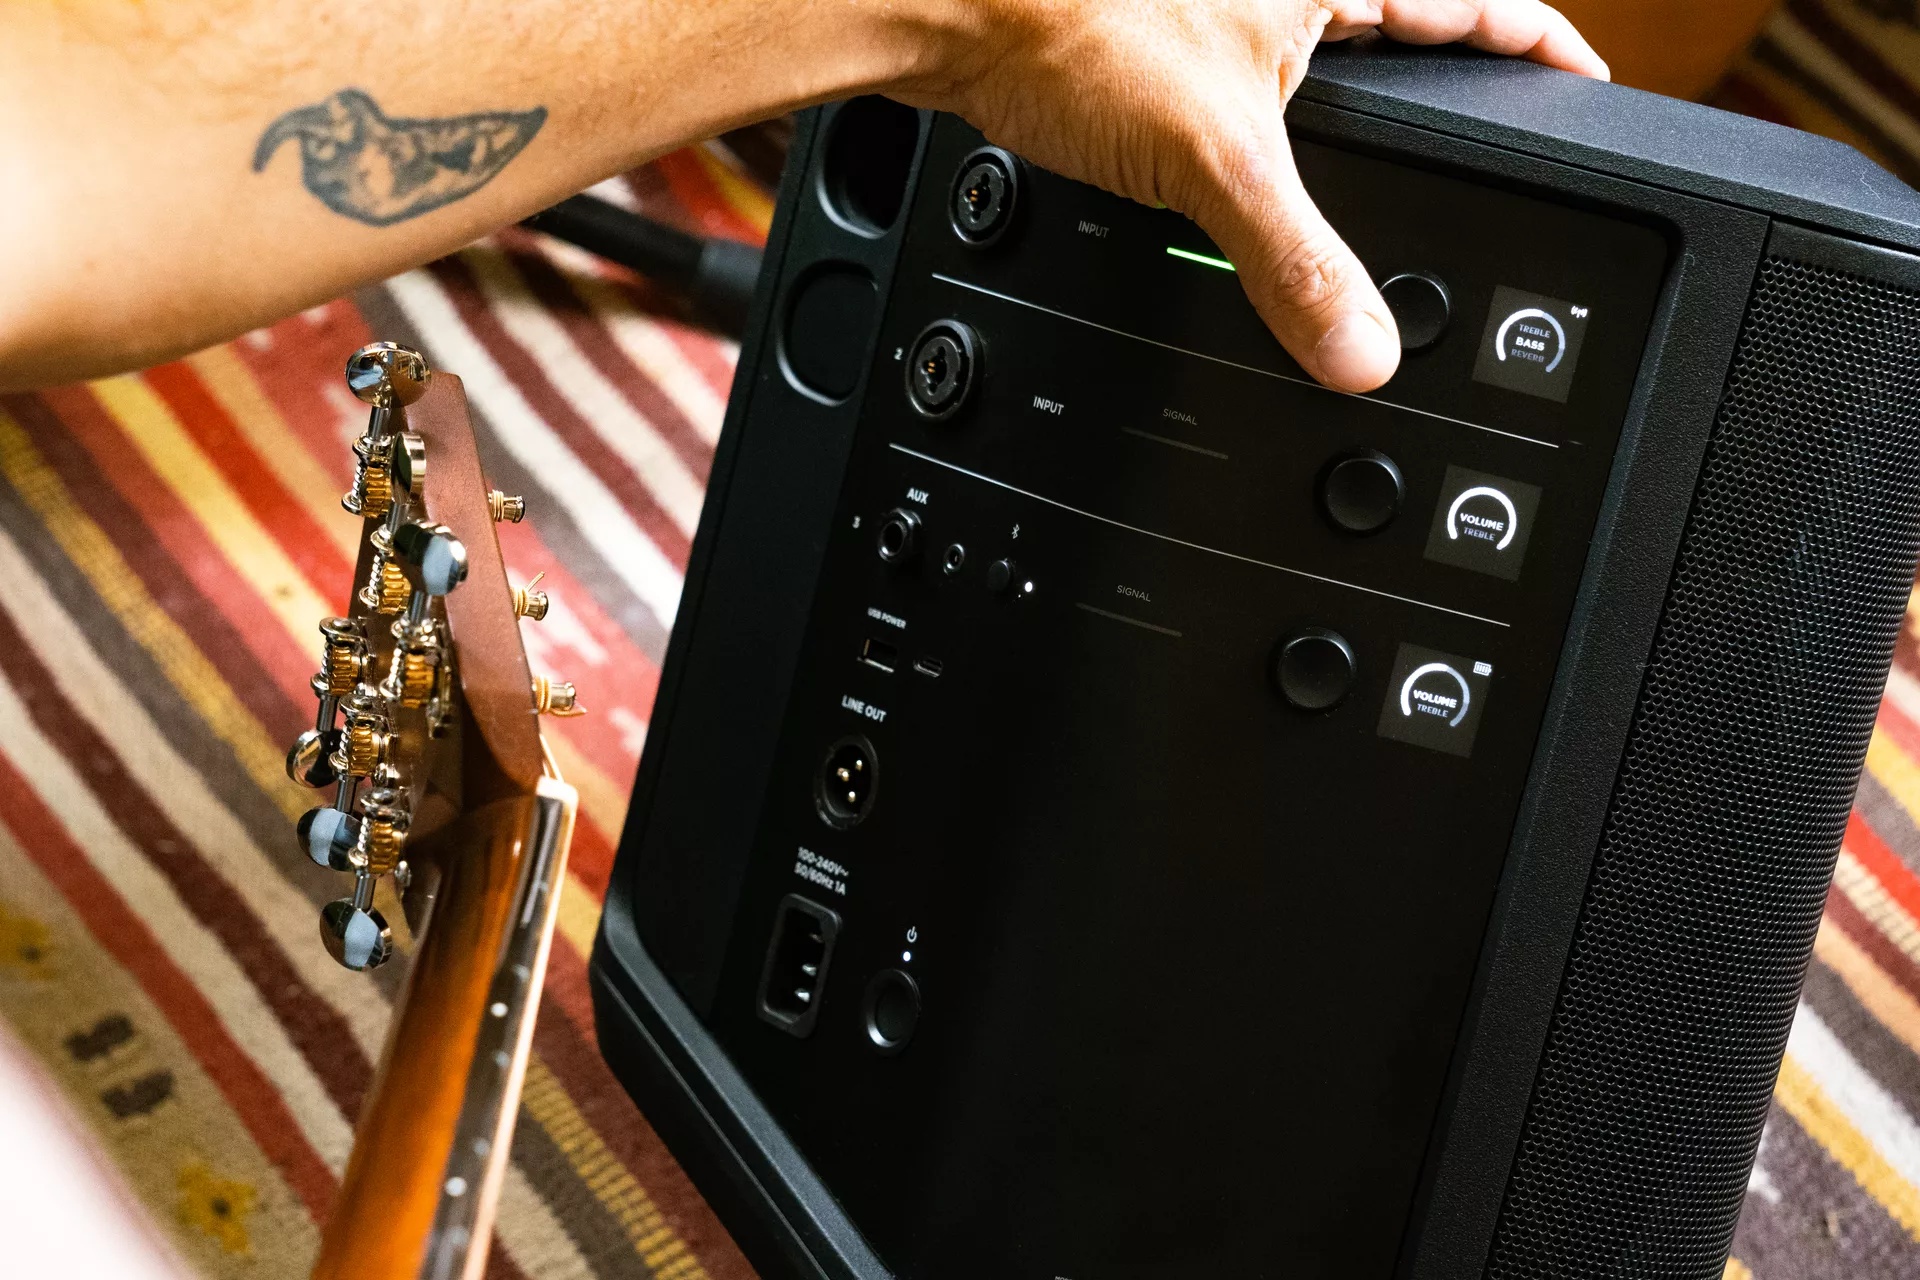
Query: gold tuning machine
x=530 y=603
x=345 y=641
x=372 y=492
x=343 y=661
x=415 y=676
x=382 y=831
x=363 y=741
x=510 y=508
x=387 y=589
x=555 y=698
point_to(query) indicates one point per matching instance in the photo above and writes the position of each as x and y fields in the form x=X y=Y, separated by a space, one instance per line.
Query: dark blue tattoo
x=380 y=170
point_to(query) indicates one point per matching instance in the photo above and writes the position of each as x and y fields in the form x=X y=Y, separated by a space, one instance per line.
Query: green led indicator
x=1201 y=258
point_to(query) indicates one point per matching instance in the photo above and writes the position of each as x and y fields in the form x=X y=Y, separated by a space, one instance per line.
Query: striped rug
x=167 y=541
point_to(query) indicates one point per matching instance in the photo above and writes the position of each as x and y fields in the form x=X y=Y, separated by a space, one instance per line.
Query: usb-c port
x=930 y=667
x=880 y=654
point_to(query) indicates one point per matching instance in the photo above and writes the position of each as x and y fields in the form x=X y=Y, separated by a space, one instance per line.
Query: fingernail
x=1357 y=354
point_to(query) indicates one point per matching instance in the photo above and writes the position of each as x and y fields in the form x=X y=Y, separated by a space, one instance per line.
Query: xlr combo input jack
x=986 y=194
x=943 y=369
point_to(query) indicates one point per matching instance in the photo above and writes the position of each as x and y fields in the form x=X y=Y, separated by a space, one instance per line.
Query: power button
x=891 y=1010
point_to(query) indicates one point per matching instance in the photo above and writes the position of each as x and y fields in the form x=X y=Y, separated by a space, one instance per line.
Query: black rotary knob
x=1362 y=492
x=1314 y=668
x=1421 y=309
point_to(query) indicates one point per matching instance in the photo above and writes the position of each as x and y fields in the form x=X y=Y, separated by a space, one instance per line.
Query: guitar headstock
x=426 y=704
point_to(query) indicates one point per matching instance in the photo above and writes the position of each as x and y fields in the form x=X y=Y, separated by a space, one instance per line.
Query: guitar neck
x=431 y=1148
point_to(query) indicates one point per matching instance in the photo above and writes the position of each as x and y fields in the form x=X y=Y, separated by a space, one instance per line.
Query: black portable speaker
x=1118 y=809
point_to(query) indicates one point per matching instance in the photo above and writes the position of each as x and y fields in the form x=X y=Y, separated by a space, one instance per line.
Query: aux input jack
x=899 y=536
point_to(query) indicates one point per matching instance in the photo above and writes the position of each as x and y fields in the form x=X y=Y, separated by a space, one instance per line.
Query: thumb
x=1302 y=278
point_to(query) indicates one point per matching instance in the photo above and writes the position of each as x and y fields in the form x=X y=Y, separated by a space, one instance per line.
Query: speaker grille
x=1720 y=840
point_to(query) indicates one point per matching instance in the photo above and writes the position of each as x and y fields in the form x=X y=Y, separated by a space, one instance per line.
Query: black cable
x=716 y=276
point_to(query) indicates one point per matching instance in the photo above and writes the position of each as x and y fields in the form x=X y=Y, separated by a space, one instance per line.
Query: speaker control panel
x=1163 y=718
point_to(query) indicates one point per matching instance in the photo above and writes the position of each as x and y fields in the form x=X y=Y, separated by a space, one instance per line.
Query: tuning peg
x=363 y=740
x=342 y=662
x=512 y=509
x=327 y=835
x=385 y=374
x=416 y=661
x=343 y=657
x=355 y=933
x=387 y=377
x=433 y=559
x=387 y=589
x=381 y=831
x=310 y=760
x=555 y=698
x=529 y=603
x=409 y=464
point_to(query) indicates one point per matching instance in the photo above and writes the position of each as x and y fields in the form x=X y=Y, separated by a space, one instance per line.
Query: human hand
x=1180 y=103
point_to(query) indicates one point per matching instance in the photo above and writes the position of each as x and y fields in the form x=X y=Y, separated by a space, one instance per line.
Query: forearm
x=176 y=175
x=136 y=225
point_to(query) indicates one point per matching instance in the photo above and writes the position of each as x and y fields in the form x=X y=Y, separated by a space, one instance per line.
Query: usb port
x=930 y=666
x=878 y=653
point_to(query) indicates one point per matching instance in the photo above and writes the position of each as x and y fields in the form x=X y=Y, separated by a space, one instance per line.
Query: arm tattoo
x=377 y=169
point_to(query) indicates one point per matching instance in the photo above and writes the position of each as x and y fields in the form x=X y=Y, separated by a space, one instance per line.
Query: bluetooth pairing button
x=1483 y=522
x=1435 y=699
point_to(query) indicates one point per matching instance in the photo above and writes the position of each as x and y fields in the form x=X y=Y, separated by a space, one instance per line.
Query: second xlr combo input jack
x=943 y=368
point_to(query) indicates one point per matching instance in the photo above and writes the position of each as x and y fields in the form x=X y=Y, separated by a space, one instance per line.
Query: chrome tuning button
x=434 y=562
x=387 y=377
x=385 y=374
x=310 y=759
x=328 y=836
x=354 y=931
x=410 y=465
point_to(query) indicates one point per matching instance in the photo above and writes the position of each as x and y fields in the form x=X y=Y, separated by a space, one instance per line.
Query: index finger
x=1527 y=29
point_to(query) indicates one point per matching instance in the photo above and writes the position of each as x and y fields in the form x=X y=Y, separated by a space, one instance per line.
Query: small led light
x=906 y=957
x=1202 y=259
